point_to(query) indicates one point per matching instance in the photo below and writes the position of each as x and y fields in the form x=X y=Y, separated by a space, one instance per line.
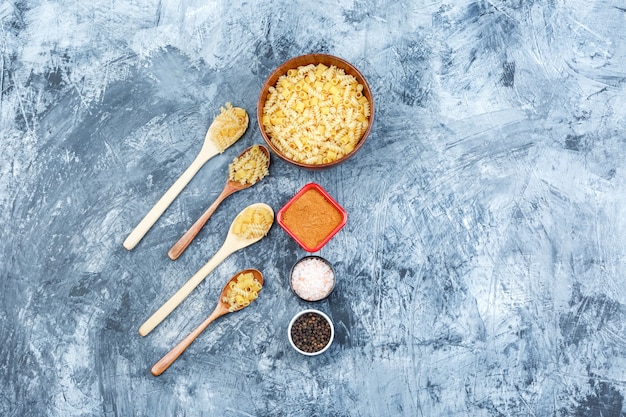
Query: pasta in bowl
x=315 y=111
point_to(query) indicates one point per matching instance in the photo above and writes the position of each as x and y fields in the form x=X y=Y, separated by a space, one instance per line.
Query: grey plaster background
x=482 y=269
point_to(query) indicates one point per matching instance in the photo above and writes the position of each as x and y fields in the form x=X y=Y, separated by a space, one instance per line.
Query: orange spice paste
x=311 y=218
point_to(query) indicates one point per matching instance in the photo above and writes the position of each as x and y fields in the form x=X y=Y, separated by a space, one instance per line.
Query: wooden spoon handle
x=169 y=358
x=159 y=208
x=182 y=244
x=184 y=291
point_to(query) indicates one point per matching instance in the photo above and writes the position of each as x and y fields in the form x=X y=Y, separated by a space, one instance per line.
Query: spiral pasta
x=305 y=112
x=250 y=167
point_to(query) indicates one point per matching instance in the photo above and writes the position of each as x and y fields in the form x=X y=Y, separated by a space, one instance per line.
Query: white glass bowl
x=322 y=315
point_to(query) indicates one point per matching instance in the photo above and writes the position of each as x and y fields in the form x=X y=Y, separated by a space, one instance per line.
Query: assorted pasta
x=228 y=126
x=242 y=291
x=250 y=167
x=252 y=223
x=316 y=114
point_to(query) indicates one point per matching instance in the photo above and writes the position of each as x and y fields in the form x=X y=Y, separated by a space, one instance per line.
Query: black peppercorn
x=310 y=332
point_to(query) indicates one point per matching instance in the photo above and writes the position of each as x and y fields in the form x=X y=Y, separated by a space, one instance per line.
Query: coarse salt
x=312 y=279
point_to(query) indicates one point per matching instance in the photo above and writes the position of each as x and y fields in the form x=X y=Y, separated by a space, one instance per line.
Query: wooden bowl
x=302 y=60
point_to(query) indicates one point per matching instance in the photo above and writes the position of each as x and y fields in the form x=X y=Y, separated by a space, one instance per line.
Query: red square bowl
x=312 y=217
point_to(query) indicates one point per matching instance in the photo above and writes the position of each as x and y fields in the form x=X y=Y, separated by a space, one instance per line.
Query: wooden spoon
x=232 y=243
x=221 y=309
x=214 y=143
x=230 y=188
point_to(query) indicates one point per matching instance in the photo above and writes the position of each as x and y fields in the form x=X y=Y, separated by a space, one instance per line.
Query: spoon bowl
x=221 y=309
x=233 y=242
x=234 y=121
x=230 y=188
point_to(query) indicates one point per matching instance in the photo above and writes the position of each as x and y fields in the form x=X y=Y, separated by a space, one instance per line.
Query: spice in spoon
x=250 y=167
